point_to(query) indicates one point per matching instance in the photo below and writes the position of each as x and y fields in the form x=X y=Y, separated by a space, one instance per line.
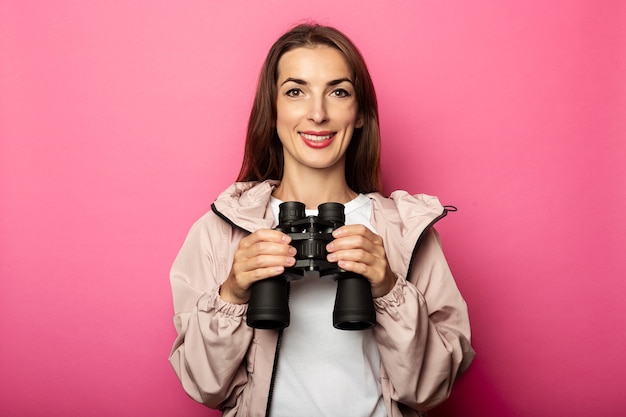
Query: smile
x=317 y=140
x=317 y=137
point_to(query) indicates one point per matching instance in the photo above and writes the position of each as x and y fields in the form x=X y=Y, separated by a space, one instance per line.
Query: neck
x=314 y=188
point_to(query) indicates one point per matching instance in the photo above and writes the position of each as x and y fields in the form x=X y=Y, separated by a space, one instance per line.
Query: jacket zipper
x=280 y=332
x=420 y=239
x=227 y=220
x=270 y=394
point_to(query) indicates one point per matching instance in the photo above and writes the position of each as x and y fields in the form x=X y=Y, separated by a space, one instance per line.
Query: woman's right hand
x=263 y=254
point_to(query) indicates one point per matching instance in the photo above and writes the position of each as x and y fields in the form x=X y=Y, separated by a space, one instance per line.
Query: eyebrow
x=330 y=83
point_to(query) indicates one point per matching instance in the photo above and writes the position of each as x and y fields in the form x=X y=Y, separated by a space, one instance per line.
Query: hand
x=357 y=249
x=263 y=254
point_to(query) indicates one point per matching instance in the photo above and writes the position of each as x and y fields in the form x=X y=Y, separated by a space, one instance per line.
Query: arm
x=211 y=280
x=423 y=331
x=209 y=353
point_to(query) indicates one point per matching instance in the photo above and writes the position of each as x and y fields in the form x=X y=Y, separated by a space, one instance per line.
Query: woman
x=313 y=137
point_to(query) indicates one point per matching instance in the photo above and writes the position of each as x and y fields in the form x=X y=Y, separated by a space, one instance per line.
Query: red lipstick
x=317 y=140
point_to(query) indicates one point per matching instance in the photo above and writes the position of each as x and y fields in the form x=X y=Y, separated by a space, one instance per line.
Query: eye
x=341 y=92
x=294 y=92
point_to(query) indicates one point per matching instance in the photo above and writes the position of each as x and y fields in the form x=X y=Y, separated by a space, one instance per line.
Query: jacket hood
x=400 y=219
x=246 y=206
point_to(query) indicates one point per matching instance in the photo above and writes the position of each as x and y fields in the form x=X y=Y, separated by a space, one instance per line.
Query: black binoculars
x=268 y=307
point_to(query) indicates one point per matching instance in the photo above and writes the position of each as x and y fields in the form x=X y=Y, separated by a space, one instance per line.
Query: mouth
x=317 y=139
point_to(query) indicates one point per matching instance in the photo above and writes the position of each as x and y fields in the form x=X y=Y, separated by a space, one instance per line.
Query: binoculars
x=268 y=307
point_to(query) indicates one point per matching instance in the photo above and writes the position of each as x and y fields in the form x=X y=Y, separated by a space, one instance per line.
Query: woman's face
x=316 y=107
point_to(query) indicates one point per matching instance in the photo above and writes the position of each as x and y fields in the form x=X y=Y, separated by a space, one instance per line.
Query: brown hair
x=263 y=155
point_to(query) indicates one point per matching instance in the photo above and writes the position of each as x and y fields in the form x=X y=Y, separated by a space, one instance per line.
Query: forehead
x=313 y=63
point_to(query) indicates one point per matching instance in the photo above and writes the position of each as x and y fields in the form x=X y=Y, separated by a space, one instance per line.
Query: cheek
x=281 y=123
x=284 y=127
x=350 y=115
x=287 y=116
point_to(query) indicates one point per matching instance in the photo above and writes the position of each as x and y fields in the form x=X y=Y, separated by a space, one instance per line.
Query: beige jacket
x=422 y=330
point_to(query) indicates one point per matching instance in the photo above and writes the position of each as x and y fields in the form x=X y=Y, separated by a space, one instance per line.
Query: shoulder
x=403 y=220
x=245 y=205
x=407 y=209
x=246 y=194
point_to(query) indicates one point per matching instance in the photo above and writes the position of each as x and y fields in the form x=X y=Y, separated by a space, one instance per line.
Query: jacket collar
x=246 y=206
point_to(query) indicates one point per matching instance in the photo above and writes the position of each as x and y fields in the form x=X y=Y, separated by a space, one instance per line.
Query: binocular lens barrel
x=354 y=305
x=268 y=307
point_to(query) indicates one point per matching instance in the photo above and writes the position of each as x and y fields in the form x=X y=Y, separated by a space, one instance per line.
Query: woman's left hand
x=357 y=249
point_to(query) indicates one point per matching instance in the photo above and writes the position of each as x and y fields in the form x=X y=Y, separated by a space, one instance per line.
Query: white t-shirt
x=323 y=371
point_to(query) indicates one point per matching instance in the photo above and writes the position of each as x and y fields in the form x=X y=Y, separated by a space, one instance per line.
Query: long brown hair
x=263 y=154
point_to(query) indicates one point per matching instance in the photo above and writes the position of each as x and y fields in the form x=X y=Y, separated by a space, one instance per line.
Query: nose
x=317 y=112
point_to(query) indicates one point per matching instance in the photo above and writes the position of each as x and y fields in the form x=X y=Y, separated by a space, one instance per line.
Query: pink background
x=121 y=121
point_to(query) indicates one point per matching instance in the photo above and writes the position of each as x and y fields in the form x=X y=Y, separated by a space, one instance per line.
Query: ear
x=359 y=121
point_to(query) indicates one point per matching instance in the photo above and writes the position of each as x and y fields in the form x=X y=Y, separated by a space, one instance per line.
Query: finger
x=246 y=279
x=357 y=230
x=374 y=247
x=377 y=273
x=248 y=271
x=267 y=248
x=264 y=242
x=265 y=261
x=353 y=230
x=236 y=289
x=356 y=267
x=354 y=256
x=265 y=235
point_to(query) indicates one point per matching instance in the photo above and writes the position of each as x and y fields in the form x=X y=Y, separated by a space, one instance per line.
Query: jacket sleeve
x=423 y=331
x=210 y=351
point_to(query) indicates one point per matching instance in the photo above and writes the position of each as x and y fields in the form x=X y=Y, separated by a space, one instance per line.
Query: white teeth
x=316 y=138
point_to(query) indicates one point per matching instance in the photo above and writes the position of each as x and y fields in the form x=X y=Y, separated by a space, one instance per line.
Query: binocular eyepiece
x=268 y=307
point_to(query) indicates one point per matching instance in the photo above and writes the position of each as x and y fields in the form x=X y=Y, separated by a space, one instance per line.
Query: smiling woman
x=263 y=156
x=317 y=114
x=313 y=138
